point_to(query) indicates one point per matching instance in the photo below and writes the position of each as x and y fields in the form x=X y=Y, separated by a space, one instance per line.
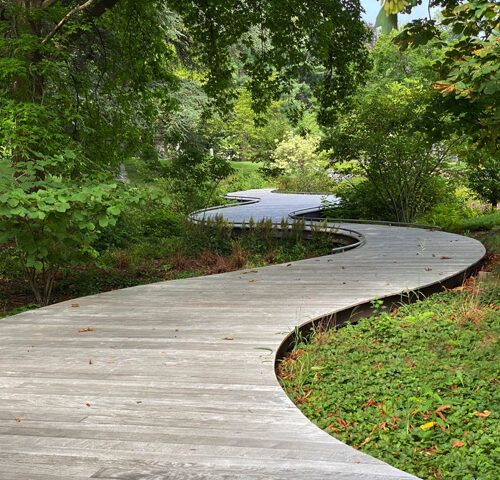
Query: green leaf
x=62 y=207
x=114 y=210
x=103 y=221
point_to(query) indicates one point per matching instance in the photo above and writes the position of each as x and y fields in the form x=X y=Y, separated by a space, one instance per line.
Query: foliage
x=488 y=221
x=243 y=136
x=390 y=63
x=87 y=86
x=194 y=174
x=392 y=134
x=311 y=182
x=412 y=387
x=454 y=217
x=245 y=176
x=279 y=42
x=484 y=179
x=153 y=243
x=469 y=73
x=450 y=216
x=297 y=154
x=72 y=107
x=51 y=222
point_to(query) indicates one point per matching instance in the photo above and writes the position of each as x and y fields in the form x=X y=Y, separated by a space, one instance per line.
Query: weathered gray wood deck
x=177 y=380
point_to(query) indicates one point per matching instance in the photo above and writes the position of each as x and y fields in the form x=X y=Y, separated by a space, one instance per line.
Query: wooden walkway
x=175 y=380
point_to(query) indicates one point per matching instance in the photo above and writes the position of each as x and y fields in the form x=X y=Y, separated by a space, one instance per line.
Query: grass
x=416 y=387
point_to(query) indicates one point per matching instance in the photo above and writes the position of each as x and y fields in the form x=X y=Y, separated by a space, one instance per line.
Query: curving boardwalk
x=176 y=381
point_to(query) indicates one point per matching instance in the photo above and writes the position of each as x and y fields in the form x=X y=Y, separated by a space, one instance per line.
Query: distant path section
x=175 y=380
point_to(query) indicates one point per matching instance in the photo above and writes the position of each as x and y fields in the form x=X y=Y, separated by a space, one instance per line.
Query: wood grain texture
x=177 y=381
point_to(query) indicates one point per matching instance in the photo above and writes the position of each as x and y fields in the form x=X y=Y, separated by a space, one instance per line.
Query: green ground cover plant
x=416 y=387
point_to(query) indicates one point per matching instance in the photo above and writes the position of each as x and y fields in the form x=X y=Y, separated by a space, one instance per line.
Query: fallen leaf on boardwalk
x=457 y=444
x=74 y=305
x=445 y=258
x=88 y=404
x=289 y=265
x=427 y=425
x=484 y=414
x=88 y=329
x=18 y=420
x=254 y=271
x=228 y=338
x=90 y=362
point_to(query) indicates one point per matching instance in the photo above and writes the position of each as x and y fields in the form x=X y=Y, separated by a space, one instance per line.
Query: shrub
x=360 y=199
x=246 y=176
x=299 y=155
x=392 y=135
x=484 y=179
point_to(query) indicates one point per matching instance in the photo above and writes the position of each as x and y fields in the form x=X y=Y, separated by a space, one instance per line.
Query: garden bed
x=416 y=387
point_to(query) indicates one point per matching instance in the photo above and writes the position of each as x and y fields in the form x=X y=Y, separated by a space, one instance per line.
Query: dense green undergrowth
x=416 y=387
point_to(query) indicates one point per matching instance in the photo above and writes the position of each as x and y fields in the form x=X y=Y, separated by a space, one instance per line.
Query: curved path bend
x=176 y=380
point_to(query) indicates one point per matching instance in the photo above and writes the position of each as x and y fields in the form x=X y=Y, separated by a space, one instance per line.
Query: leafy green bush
x=299 y=155
x=302 y=166
x=489 y=221
x=245 y=136
x=53 y=225
x=360 y=199
x=449 y=216
x=392 y=136
x=484 y=179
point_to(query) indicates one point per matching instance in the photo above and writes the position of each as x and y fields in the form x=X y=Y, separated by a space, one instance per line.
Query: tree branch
x=92 y=8
x=67 y=17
